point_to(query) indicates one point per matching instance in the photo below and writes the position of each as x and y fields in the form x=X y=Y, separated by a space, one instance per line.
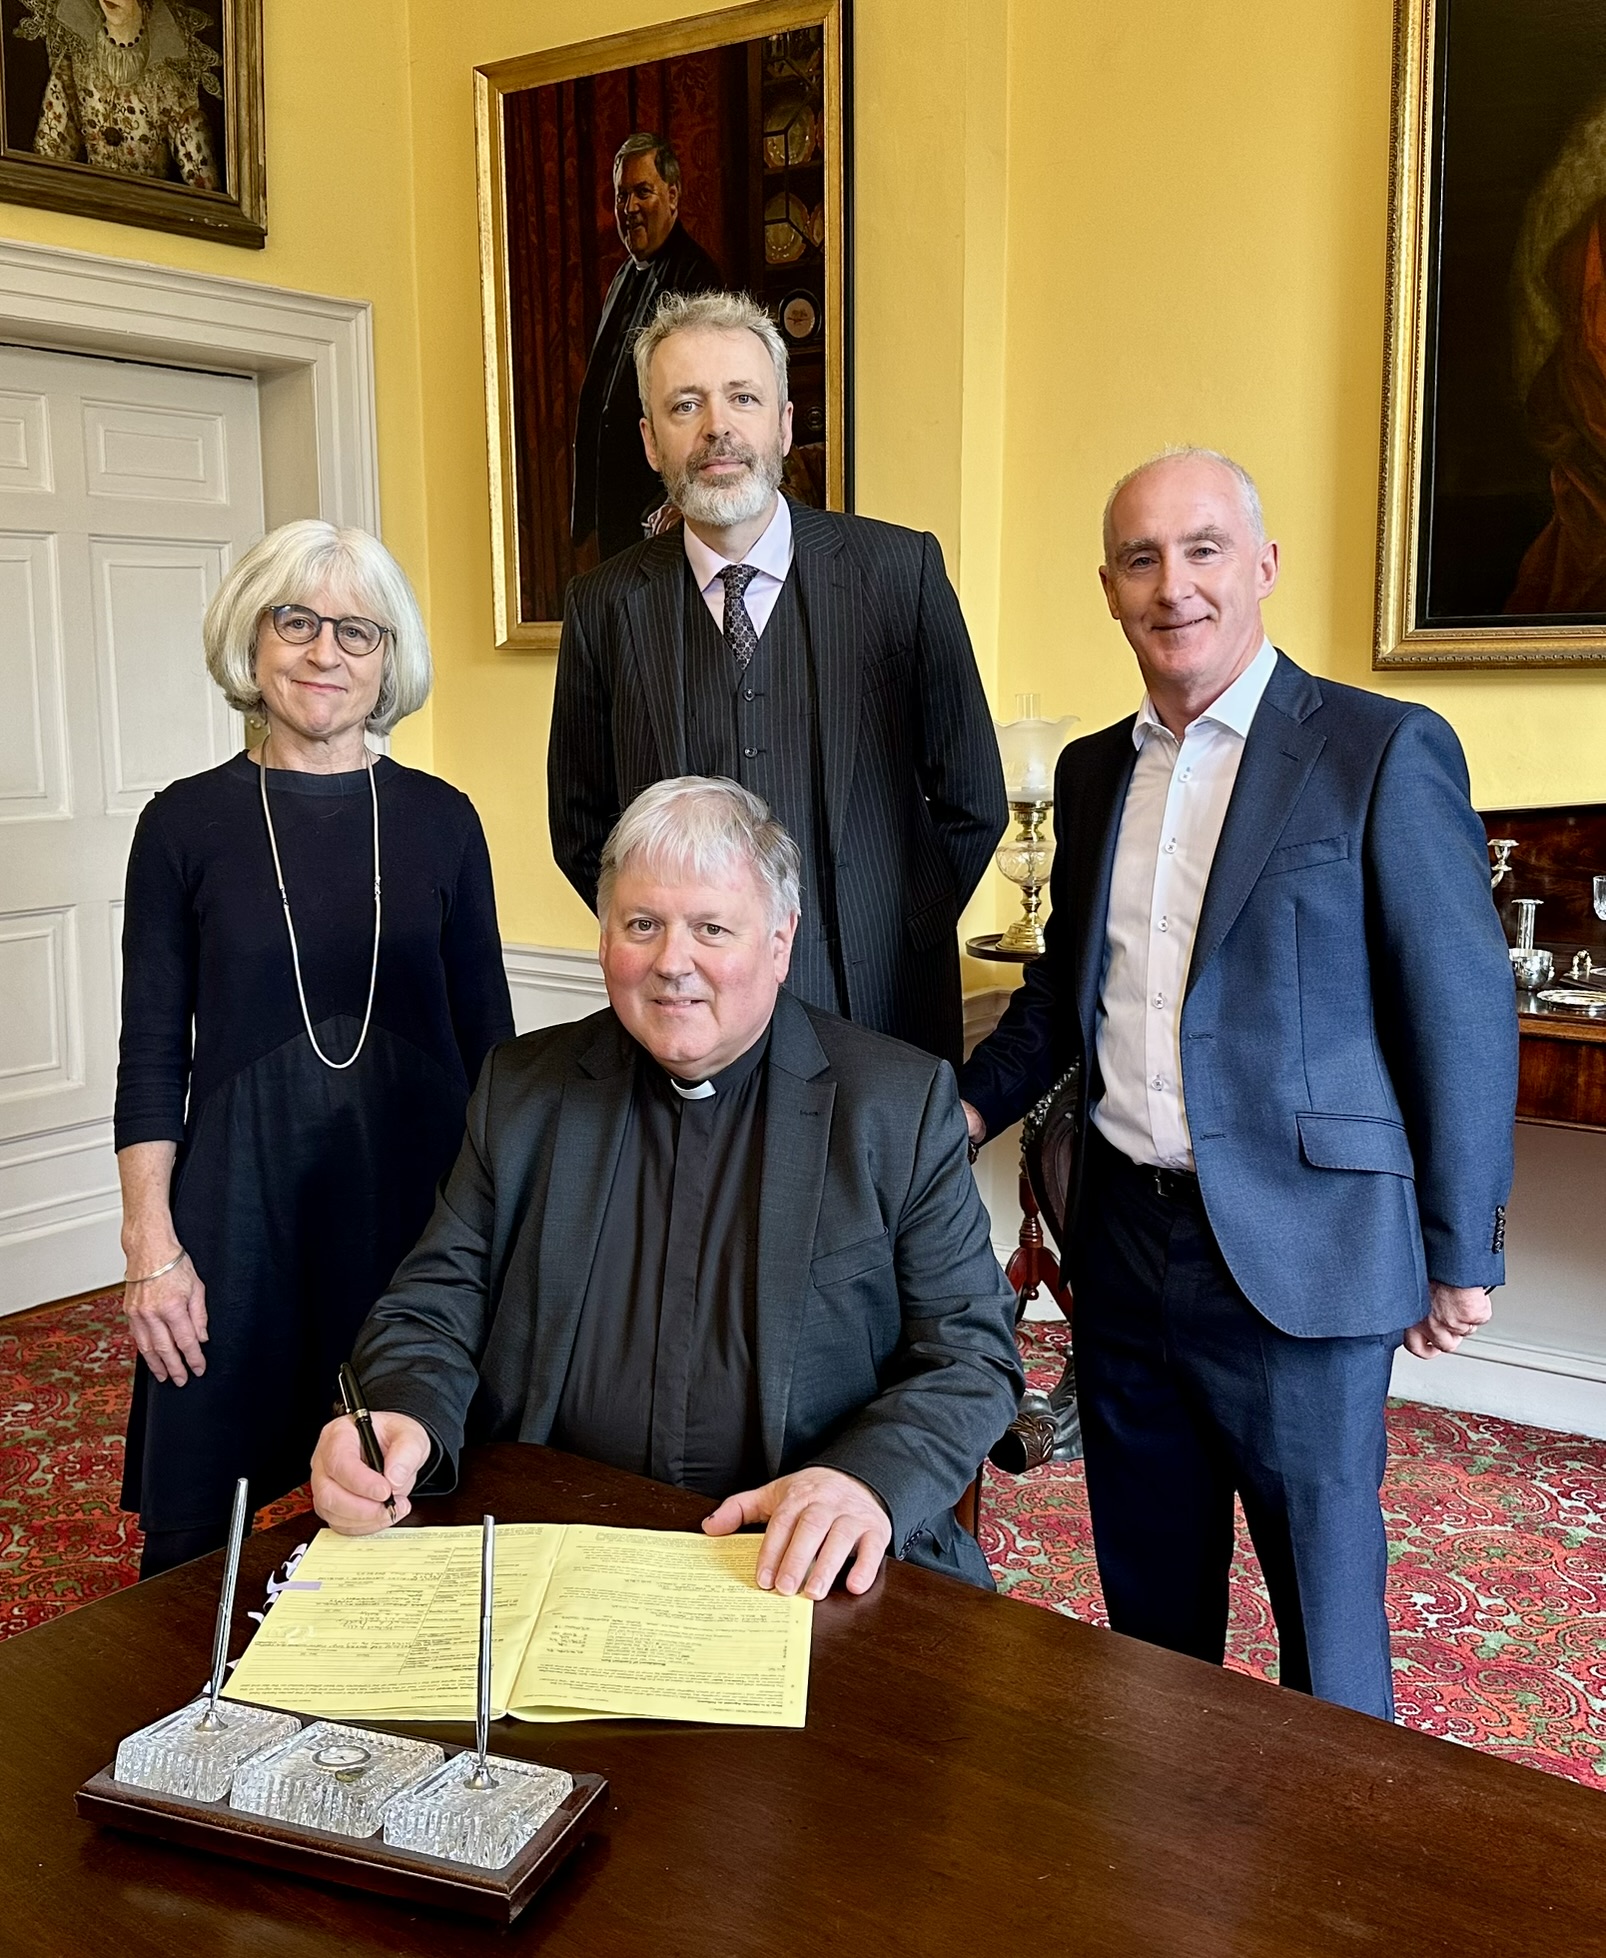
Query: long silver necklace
x=289 y=922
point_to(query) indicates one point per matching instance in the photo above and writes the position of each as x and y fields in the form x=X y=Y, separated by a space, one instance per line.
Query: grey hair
x=291 y=566
x=694 y=828
x=716 y=312
x=647 y=142
x=1248 y=495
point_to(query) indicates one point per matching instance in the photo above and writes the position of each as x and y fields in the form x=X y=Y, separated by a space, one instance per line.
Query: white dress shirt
x=770 y=557
x=1175 y=806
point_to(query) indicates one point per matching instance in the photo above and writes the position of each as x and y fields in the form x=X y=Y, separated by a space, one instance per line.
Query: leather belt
x=1179 y=1185
x=1175 y=1185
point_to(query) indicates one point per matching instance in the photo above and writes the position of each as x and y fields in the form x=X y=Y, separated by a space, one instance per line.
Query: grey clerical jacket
x=885 y=1344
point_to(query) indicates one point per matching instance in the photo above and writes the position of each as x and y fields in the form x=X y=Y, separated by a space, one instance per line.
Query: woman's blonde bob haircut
x=292 y=565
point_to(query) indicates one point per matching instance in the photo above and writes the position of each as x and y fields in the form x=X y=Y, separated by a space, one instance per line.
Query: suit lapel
x=590 y=1128
x=1279 y=754
x=833 y=609
x=797 y=1137
x=657 y=649
x=616 y=286
x=1095 y=826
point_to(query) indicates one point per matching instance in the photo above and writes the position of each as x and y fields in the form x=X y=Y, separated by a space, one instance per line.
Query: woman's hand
x=166 y=1315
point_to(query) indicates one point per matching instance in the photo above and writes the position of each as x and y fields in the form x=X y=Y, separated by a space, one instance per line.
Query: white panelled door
x=125 y=494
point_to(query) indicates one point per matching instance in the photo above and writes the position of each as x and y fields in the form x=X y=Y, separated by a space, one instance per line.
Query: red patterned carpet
x=64 y=1377
x=1497 y=1589
x=1497 y=1576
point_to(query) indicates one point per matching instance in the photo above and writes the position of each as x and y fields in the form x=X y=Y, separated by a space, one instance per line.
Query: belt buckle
x=1159 y=1175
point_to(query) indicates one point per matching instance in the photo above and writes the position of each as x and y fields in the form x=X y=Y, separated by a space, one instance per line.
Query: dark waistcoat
x=761 y=728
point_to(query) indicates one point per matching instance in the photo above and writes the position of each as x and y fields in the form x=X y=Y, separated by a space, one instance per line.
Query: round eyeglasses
x=299 y=625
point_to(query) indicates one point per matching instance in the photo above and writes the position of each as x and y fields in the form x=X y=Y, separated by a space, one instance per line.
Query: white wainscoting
x=1543 y=1358
x=60 y=1214
x=551 y=984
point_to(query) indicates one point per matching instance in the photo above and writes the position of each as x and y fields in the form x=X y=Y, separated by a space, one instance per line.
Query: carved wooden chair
x=1048 y=1427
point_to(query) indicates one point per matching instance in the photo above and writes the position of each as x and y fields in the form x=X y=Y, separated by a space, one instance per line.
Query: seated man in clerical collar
x=710 y=1235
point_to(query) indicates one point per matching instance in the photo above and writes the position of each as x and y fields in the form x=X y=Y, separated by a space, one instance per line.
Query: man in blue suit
x=1274 y=953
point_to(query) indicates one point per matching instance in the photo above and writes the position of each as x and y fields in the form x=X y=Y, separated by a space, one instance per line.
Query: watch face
x=800 y=315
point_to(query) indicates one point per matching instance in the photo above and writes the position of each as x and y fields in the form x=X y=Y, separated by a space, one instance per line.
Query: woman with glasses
x=312 y=975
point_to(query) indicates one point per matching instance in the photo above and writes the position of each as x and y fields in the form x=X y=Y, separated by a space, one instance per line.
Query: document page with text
x=387 y=1627
x=665 y=1626
x=590 y=1622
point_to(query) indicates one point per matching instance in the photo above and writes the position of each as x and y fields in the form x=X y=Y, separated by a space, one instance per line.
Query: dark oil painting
x=733 y=195
x=143 y=112
x=1513 y=480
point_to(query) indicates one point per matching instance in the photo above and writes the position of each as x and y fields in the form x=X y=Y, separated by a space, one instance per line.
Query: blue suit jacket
x=1349 y=1032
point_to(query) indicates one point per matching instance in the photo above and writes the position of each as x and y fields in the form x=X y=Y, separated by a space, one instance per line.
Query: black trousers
x=166 y=1549
x=1188 y=1397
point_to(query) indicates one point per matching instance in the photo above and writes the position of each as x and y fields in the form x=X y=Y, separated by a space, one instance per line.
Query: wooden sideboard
x=1563 y=1070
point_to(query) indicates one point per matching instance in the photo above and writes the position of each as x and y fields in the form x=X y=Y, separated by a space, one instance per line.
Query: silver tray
x=1573 y=999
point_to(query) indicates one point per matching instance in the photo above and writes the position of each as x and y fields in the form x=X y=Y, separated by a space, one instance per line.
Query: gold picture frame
x=205 y=56
x=1476 y=565
x=531 y=434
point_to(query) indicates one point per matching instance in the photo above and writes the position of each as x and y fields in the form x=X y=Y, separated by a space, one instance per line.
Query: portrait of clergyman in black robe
x=613 y=173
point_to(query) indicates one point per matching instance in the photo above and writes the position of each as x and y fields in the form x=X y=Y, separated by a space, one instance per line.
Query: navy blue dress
x=297 y=1189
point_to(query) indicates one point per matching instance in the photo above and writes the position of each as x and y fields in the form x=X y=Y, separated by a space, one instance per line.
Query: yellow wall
x=339 y=221
x=1198 y=213
x=1083 y=230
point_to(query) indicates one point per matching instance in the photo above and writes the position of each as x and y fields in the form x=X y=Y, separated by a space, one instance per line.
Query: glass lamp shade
x=1029 y=746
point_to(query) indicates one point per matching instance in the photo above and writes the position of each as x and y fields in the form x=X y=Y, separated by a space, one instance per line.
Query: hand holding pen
x=352 y=1399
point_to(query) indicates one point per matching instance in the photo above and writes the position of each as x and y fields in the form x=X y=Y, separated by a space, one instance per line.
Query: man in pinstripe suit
x=821 y=660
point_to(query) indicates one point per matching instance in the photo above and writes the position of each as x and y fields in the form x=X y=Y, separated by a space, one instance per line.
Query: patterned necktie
x=739 y=633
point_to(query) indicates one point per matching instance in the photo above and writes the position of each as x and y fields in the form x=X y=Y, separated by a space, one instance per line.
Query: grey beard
x=720 y=505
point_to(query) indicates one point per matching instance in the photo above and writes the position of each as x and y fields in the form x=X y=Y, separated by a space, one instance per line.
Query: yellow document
x=590 y=1622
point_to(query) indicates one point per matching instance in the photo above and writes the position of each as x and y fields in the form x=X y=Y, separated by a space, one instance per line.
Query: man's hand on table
x=347 y=1493
x=1454 y=1312
x=817 y=1518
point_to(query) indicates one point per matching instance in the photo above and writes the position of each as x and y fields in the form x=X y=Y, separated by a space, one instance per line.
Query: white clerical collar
x=772 y=552
x=692 y=1090
x=1233 y=709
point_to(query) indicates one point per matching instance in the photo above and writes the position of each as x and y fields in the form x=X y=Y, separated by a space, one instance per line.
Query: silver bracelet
x=161 y=1271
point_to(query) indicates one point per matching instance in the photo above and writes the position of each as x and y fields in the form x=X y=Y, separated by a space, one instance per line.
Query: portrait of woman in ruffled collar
x=125 y=87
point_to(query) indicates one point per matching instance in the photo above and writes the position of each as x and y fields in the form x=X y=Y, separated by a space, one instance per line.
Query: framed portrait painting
x=1492 y=535
x=699 y=155
x=145 y=112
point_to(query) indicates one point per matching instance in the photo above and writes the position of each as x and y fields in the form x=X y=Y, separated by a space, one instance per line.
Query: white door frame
x=313 y=358
x=313 y=361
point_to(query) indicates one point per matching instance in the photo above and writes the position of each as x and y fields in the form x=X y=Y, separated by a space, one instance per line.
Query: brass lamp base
x=1024 y=859
x=1024 y=935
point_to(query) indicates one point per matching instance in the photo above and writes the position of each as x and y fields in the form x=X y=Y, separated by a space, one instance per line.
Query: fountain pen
x=352 y=1395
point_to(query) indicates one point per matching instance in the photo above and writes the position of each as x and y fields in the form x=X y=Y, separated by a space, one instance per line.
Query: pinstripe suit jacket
x=913 y=791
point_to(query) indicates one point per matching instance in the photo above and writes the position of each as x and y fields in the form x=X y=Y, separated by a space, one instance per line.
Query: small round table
x=1031 y=1264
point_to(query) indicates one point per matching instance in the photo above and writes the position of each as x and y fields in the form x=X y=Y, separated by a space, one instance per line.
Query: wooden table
x=1561 y=1081
x=976 y=1777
